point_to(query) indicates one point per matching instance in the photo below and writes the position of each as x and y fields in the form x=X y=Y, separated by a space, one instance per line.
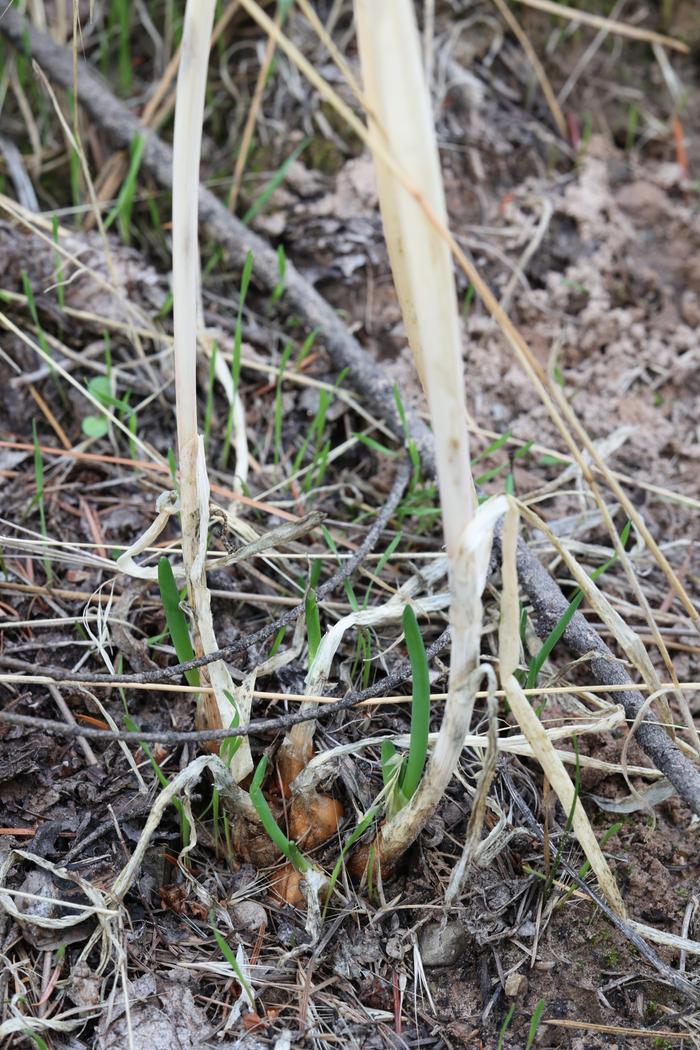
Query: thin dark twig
x=258 y=725
x=343 y=573
x=672 y=976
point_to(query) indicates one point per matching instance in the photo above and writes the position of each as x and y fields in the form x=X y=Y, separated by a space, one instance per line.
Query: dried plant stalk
x=401 y=125
x=216 y=711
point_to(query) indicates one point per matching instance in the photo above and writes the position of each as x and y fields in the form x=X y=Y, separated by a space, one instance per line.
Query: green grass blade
x=551 y=640
x=230 y=746
x=58 y=264
x=388 y=760
x=39 y=478
x=279 y=637
x=121 y=21
x=493 y=447
x=388 y=553
x=274 y=832
x=175 y=618
x=36 y=1039
x=420 y=706
x=274 y=183
x=376 y=446
x=557 y=631
x=209 y=409
x=284 y=360
x=392 y=770
x=172 y=466
x=313 y=624
x=231 y=959
x=306 y=348
x=245 y=283
x=358 y=832
x=504 y=1027
x=34 y=314
x=125 y=201
x=534 y=1024
x=586 y=866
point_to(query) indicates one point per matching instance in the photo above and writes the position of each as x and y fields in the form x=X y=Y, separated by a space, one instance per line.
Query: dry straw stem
x=656 y=1034
x=314 y=773
x=539 y=70
x=637 y=590
x=509 y=654
x=583 y=641
x=629 y=640
x=329 y=44
x=194 y=483
x=363 y=698
x=251 y=118
x=620 y=28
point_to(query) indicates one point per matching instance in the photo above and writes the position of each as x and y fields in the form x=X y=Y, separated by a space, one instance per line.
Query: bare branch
x=259 y=725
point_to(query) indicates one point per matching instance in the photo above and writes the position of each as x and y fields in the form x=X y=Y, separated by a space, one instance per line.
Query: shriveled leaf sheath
x=401 y=126
x=421 y=262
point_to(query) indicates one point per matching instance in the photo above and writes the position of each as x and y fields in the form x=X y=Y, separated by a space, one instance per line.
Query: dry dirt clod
x=163 y=1015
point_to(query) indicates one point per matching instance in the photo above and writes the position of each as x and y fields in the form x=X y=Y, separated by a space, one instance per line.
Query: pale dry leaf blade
x=553 y=767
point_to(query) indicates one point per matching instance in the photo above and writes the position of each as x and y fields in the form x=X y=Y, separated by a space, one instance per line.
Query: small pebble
x=248 y=915
x=443 y=946
x=690 y=308
x=528 y=929
x=516 y=985
x=397 y=946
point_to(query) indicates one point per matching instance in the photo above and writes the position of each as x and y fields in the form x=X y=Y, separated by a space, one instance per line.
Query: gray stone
x=248 y=915
x=516 y=985
x=443 y=945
